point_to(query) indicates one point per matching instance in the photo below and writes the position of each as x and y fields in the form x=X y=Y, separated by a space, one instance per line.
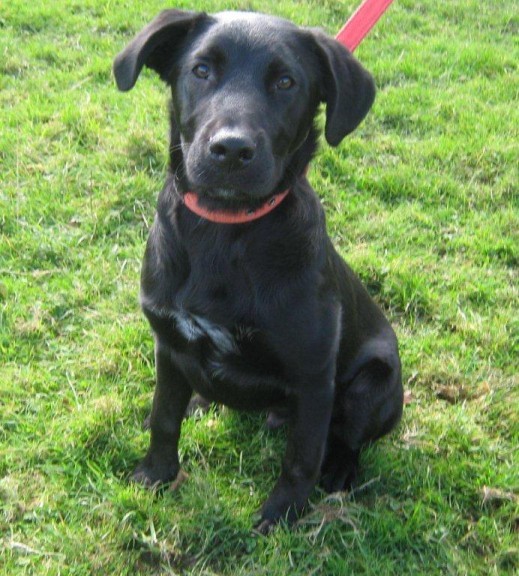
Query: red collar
x=191 y=201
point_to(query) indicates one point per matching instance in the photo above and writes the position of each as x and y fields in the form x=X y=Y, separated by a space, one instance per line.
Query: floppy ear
x=348 y=88
x=154 y=46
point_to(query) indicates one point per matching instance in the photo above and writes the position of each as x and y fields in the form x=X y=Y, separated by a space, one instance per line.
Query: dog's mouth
x=222 y=190
x=230 y=199
x=232 y=188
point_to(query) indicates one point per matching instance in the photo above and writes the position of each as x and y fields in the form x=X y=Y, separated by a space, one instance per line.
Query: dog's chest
x=232 y=365
x=195 y=330
x=188 y=332
x=209 y=314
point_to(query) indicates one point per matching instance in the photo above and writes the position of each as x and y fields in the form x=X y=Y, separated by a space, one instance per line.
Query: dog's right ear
x=154 y=46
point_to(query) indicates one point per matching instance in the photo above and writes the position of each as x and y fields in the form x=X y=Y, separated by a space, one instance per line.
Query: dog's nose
x=232 y=150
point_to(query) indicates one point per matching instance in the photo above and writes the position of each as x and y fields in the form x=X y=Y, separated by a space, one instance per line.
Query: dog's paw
x=337 y=482
x=278 y=511
x=153 y=476
x=264 y=527
x=276 y=419
x=197 y=404
x=338 y=475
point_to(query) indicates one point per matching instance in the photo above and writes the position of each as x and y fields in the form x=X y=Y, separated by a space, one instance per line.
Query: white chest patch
x=194 y=327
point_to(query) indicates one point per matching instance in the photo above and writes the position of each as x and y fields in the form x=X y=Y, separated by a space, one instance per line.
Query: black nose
x=232 y=150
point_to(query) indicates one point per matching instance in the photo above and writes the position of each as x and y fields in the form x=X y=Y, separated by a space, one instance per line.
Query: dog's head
x=245 y=90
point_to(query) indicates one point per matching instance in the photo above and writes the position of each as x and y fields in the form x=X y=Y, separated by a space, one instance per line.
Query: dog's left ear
x=348 y=88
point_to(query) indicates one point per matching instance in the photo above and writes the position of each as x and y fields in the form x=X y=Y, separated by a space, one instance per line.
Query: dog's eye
x=201 y=71
x=285 y=83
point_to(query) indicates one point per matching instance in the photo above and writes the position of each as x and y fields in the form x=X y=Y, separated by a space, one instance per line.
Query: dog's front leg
x=172 y=394
x=310 y=413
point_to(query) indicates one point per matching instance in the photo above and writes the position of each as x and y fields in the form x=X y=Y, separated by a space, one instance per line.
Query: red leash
x=362 y=21
x=351 y=35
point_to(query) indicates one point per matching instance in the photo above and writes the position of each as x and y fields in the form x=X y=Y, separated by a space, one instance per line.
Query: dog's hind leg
x=366 y=407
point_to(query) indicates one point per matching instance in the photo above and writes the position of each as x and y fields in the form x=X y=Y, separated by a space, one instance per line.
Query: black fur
x=261 y=315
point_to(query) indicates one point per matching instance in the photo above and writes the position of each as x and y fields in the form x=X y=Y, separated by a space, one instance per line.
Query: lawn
x=422 y=200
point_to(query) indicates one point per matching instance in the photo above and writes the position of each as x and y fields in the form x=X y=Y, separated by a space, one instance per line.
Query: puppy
x=249 y=303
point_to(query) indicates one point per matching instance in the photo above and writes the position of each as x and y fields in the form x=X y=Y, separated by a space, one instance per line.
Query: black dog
x=255 y=309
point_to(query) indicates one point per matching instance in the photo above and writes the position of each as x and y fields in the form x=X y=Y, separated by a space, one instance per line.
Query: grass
x=421 y=200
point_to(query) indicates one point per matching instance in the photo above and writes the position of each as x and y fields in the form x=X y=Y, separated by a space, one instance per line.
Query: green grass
x=422 y=201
